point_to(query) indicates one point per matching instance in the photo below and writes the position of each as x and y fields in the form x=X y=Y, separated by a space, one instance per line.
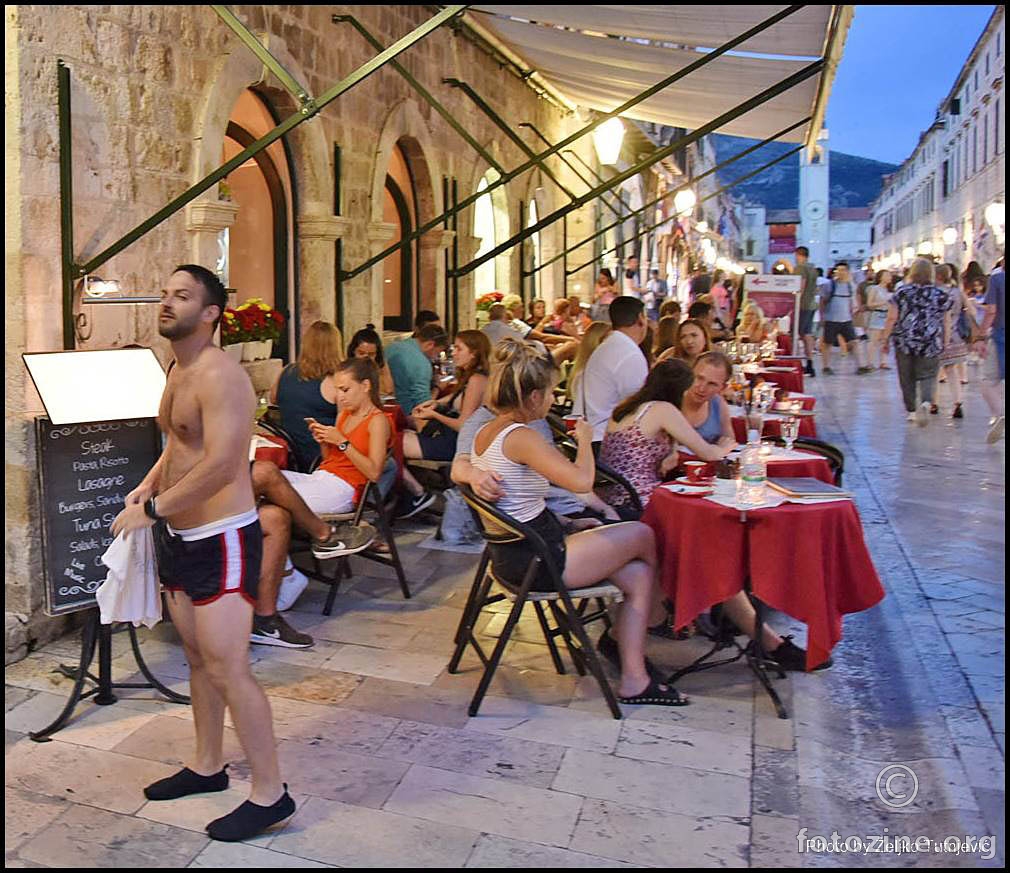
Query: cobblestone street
x=388 y=770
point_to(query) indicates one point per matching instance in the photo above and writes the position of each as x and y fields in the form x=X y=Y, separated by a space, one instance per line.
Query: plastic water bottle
x=753 y=475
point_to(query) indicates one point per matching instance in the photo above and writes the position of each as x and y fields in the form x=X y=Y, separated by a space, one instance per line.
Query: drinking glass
x=790 y=430
x=262 y=405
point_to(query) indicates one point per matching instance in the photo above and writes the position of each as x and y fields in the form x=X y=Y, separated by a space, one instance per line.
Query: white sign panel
x=101 y=385
x=773 y=282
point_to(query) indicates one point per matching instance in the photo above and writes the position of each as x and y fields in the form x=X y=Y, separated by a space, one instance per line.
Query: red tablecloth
x=809 y=562
x=814 y=466
x=792 y=381
x=785 y=343
x=277 y=453
x=795 y=363
x=773 y=427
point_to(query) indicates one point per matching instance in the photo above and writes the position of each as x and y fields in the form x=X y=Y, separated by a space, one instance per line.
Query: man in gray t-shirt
x=837 y=302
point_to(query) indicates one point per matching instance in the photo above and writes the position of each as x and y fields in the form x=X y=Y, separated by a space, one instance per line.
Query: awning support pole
x=290 y=83
x=68 y=269
x=758 y=99
x=306 y=112
x=503 y=126
x=715 y=193
x=426 y=95
x=589 y=128
x=579 y=175
x=673 y=191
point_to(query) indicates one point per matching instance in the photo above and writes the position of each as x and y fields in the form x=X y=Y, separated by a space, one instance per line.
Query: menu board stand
x=101 y=634
x=86 y=469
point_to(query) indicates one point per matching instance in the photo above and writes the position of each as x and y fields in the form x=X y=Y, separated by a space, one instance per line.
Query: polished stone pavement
x=388 y=770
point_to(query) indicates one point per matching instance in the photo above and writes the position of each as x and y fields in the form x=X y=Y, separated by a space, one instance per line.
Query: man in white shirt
x=616 y=370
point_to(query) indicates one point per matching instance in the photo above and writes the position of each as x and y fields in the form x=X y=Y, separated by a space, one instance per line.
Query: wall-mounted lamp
x=94 y=290
x=995 y=215
x=949 y=236
x=925 y=248
x=608 y=139
x=684 y=201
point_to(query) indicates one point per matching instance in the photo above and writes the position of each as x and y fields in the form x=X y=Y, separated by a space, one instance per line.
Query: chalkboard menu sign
x=86 y=471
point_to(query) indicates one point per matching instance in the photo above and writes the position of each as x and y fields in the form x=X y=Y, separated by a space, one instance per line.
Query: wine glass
x=790 y=430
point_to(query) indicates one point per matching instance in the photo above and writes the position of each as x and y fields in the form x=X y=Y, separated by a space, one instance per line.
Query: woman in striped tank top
x=506 y=449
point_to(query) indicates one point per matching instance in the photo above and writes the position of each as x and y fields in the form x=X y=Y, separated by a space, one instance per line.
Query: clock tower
x=813 y=231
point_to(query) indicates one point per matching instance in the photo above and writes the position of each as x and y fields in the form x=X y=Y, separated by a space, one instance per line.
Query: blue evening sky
x=899 y=63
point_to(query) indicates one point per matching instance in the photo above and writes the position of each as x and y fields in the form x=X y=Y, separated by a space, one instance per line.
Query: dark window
x=945 y=180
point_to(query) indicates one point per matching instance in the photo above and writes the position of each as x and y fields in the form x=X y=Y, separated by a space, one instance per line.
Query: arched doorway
x=401 y=270
x=255 y=253
x=491 y=226
x=533 y=258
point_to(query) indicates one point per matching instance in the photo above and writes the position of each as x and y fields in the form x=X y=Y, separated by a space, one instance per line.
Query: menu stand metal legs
x=101 y=634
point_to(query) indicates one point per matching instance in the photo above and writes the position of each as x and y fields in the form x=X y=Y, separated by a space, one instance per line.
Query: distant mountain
x=855 y=181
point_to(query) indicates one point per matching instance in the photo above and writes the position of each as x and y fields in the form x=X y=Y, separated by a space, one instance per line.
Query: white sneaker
x=911 y=417
x=922 y=414
x=996 y=431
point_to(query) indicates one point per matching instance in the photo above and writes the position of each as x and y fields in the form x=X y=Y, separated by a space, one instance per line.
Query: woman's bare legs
x=626 y=555
x=411 y=449
x=741 y=611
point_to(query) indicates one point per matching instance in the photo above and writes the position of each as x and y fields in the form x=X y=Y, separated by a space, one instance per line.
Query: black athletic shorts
x=208 y=568
x=834 y=329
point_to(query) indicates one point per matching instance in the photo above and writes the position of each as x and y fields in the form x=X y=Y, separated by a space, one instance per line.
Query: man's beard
x=177 y=329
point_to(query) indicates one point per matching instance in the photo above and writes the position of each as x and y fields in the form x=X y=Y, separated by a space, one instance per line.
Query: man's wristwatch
x=149 y=509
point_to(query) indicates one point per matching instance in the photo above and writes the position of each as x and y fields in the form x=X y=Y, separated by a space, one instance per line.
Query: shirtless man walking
x=209 y=545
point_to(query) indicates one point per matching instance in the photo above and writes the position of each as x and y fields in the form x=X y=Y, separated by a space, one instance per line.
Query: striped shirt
x=525 y=489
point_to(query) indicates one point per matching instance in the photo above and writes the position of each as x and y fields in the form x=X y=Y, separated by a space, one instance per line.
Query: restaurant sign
x=778 y=296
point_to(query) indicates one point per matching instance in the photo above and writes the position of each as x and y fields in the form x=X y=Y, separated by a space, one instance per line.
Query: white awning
x=602 y=56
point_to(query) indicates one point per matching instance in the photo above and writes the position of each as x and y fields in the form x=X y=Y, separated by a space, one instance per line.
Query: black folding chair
x=373 y=501
x=607 y=476
x=570 y=619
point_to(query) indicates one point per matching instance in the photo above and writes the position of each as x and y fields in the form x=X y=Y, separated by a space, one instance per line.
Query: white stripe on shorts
x=233 y=559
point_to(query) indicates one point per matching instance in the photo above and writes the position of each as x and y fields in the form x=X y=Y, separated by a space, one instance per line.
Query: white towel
x=131 y=591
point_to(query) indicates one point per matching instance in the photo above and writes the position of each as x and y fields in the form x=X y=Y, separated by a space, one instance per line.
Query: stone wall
x=152 y=89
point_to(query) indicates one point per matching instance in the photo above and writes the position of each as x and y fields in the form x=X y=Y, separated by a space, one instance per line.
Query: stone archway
x=312 y=179
x=405 y=127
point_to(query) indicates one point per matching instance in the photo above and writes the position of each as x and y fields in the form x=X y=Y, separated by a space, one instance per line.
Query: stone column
x=316 y=264
x=467 y=314
x=371 y=307
x=433 y=244
x=205 y=219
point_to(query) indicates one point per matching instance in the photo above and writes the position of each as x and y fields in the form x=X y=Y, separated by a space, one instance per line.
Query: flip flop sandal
x=657 y=694
x=380 y=546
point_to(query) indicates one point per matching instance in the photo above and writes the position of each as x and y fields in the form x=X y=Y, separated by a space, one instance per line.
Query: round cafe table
x=791 y=381
x=808 y=561
x=772 y=425
x=812 y=466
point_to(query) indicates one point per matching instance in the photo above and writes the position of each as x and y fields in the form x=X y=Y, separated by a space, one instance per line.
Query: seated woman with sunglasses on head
x=643 y=434
x=525 y=464
x=367 y=343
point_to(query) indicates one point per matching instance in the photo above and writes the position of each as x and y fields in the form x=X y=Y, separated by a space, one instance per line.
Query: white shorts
x=324 y=492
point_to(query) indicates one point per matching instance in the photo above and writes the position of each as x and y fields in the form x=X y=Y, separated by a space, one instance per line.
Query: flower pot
x=234 y=351
x=257 y=350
